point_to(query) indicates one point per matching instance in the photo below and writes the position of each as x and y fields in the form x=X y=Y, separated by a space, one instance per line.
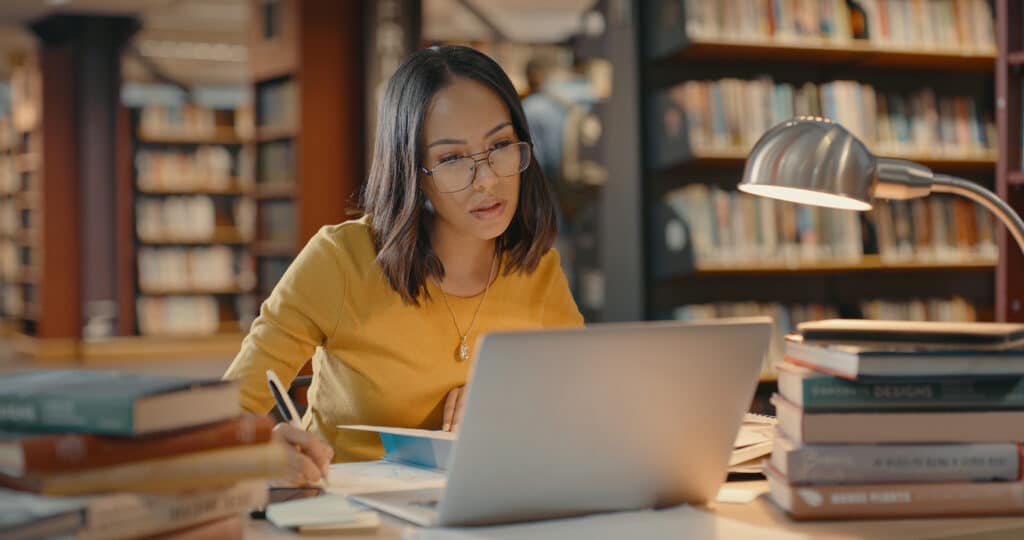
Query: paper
x=361 y=521
x=736 y=495
x=408 y=432
x=322 y=510
x=673 y=523
x=373 y=476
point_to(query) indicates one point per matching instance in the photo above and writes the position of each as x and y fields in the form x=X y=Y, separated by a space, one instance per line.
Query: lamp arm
x=943 y=183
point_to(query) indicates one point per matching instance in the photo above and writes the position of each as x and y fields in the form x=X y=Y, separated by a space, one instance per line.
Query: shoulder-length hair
x=393 y=197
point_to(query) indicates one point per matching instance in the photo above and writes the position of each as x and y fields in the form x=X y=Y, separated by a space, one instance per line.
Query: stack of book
x=884 y=419
x=116 y=455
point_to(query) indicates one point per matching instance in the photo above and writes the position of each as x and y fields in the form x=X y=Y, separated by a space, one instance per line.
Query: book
x=897 y=427
x=112 y=402
x=25 y=516
x=913 y=333
x=197 y=470
x=895 y=463
x=865 y=362
x=225 y=528
x=880 y=501
x=133 y=515
x=23 y=453
x=323 y=514
x=817 y=392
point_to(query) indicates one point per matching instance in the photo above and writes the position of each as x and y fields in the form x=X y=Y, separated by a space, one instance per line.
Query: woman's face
x=468 y=119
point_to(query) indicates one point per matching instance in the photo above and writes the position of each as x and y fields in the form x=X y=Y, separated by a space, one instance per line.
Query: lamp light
x=815 y=161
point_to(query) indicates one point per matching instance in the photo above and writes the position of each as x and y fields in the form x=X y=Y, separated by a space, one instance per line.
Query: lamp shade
x=814 y=161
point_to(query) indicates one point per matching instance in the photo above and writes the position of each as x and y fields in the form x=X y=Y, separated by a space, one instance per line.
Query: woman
x=455 y=242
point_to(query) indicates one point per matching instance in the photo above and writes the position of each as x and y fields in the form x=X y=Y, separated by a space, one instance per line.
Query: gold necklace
x=463 y=350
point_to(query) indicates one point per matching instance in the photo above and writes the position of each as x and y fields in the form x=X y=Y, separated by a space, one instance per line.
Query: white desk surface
x=761 y=512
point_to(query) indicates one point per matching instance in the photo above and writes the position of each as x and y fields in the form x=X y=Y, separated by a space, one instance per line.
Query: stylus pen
x=284 y=402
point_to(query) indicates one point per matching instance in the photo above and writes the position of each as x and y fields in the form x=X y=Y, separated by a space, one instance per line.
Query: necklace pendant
x=464 y=350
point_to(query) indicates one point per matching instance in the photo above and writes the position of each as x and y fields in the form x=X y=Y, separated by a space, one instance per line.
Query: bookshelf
x=308 y=135
x=694 y=89
x=193 y=222
x=1009 y=174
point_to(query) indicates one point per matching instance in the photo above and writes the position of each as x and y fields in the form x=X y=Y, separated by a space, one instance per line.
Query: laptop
x=611 y=417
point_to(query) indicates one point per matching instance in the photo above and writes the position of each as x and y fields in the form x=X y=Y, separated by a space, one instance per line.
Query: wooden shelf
x=139 y=348
x=226 y=236
x=234 y=190
x=26 y=162
x=824 y=52
x=147 y=291
x=1015 y=178
x=223 y=136
x=274 y=133
x=869 y=263
x=973 y=161
x=273 y=249
x=275 y=191
x=1015 y=58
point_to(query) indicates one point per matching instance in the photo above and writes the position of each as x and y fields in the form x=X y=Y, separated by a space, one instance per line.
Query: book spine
x=132 y=515
x=191 y=471
x=829 y=393
x=882 y=463
x=52 y=413
x=50 y=454
x=897 y=500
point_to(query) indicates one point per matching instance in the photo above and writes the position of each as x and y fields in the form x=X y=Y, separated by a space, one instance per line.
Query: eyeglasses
x=458 y=174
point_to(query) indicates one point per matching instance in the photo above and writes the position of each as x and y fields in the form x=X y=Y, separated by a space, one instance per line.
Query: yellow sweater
x=378 y=360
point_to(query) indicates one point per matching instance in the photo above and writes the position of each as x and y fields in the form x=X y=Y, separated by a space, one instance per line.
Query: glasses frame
x=476 y=161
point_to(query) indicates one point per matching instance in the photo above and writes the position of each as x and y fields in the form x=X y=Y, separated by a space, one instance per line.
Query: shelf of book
x=736 y=156
x=825 y=52
x=705 y=99
x=868 y=263
x=236 y=189
x=222 y=136
x=1009 y=177
x=1015 y=58
x=230 y=291
x=275 y=133
x=232 y=238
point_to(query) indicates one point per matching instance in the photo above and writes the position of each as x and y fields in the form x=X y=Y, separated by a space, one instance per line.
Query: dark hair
x=393 y=197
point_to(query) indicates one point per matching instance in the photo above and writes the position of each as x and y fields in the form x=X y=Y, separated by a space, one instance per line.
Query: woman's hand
x=308 y=455
x=453 y=408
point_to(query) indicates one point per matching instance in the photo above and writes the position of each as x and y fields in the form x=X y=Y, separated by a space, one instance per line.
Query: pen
x=284 y=403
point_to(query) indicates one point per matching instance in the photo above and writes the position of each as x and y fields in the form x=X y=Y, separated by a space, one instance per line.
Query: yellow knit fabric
x=377 y=360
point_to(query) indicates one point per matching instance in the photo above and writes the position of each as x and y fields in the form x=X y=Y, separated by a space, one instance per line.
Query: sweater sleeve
x=560 y=309
x=300 y=314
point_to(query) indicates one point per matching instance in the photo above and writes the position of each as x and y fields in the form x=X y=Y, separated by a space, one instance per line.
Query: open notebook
x=430 y=449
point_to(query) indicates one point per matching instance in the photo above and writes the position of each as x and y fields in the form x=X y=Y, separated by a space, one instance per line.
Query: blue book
x=112 y=402
x=416 y=447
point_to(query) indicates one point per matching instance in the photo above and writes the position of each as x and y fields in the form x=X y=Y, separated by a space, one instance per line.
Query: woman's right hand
x=308 y=455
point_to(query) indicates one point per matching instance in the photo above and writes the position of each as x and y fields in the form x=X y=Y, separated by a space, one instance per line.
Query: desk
x=763 y=512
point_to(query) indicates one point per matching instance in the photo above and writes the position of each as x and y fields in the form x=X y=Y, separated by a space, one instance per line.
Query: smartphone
x=281 y=494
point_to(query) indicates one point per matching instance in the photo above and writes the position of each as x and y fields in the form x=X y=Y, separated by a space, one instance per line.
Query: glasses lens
x=454 y=175
x=510 y=160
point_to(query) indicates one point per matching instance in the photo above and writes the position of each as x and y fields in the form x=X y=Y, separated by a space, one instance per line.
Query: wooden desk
x=763 y=512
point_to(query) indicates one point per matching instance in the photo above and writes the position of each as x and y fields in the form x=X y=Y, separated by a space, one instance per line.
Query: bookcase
x=193 y=221
x=306 y=61
x=35 y=209
x=700 y=83
x=1010 y=169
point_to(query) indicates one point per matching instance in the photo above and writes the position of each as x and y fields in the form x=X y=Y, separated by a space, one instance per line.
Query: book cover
x=881 y=501
x=112 y=402
x=818 y=392
x=23 y=453
x=198 y=470
x=895 y=463
x=25 y=516
x=133 y=515
x=975 y=334
x=897 y=427
x=867 y=362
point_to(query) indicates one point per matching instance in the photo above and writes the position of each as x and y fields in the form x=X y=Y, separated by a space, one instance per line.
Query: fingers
x=301 y=469
x=457 y=420
x=319 y=453
x=449 y=408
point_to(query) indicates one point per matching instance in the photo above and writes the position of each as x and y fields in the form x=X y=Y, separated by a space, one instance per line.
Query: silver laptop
x=610 y=417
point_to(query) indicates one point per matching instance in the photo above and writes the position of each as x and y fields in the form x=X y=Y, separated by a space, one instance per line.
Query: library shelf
x=825 y=52
x=869 y=263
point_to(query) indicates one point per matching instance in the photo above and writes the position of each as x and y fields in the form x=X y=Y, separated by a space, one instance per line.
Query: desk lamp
x=815 y=161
